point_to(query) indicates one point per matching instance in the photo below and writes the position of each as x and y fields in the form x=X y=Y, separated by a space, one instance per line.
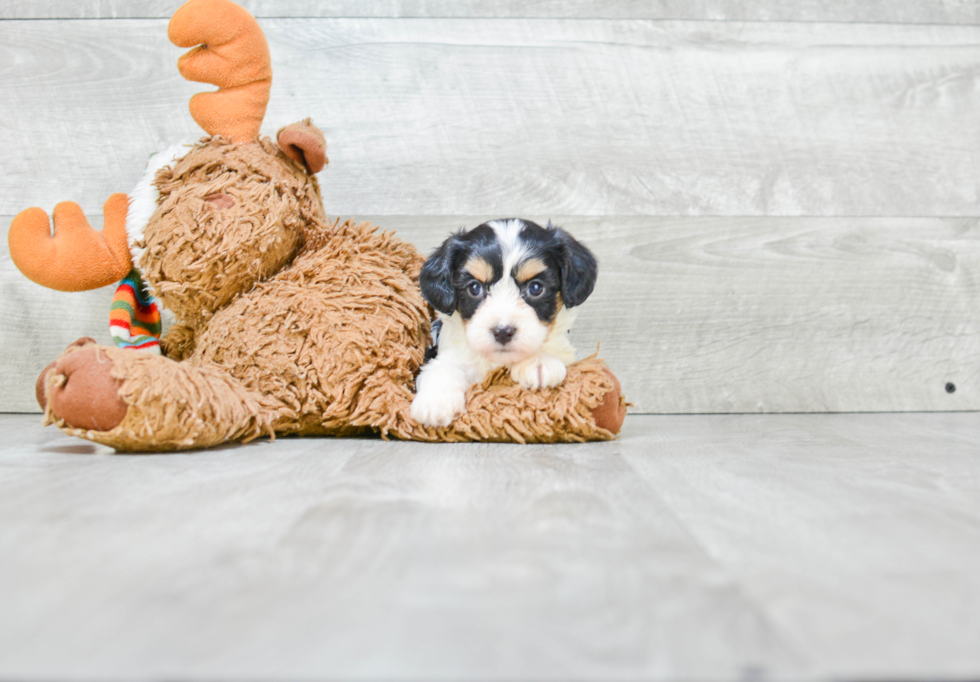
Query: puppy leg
x=441 y=394
x=539 y=371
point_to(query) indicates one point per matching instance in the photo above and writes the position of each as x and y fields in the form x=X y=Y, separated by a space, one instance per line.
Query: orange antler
x=76 y=258
x=231 y=53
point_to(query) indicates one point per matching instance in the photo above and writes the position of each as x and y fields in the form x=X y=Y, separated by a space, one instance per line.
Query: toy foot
x=611 y=412
x=39 y=384
x=144 y=402
x=81 y=390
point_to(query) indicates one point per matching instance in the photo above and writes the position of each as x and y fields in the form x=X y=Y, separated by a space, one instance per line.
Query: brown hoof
x=85 y=394
x=39 y=384
x=611 y=412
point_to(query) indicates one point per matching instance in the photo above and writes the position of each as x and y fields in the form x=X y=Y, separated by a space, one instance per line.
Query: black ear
x=579 y=269
x=436 y=279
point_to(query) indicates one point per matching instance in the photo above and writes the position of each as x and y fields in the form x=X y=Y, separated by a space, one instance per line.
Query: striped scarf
x=134 y=319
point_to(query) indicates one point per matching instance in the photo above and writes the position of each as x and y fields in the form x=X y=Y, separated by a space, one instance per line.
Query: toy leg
x=330 y=337
x=610 y=413
x=587 y=406
x=138 y=402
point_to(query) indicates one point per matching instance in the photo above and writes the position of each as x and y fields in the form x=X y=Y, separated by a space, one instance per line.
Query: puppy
x=504 y=293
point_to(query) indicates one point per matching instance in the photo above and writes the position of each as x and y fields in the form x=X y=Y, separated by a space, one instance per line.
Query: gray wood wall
x=783 y=195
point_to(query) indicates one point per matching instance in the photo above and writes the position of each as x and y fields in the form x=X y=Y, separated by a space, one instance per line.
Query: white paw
x=539 y=372
x=438 y=409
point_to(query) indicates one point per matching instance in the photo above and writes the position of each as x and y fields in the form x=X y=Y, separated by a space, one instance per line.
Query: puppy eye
x=474 y=289
x=535 y=289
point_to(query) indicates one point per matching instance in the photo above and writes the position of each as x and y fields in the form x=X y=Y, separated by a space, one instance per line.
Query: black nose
x=503 y=334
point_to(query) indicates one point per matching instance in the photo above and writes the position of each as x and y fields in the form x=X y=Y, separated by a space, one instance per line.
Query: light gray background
x=783 y=195
x=784 y=198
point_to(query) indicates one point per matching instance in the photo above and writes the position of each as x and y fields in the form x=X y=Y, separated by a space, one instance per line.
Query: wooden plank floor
x=696 y=547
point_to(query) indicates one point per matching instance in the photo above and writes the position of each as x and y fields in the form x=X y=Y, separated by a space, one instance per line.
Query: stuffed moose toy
x=286 y=323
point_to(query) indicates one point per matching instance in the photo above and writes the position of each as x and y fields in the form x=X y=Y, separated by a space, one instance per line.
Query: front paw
x=539 y=372
x=438 y=409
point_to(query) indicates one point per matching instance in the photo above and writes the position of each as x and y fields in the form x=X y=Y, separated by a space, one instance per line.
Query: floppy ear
x=579 y=269
x=436 y=279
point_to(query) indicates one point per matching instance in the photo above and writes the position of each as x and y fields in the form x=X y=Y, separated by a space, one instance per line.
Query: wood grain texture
x=806 y=547
x=777 y=315
x=604 y=125
x=340 y=559
x=464 y=117
x=872 y=11
x=858 y=533
x=700 y=314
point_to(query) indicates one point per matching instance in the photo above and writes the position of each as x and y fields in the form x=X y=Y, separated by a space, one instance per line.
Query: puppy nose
x=503 y=334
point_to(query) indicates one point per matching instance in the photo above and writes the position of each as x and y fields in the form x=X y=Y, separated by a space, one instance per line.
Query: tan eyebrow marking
x=528 y=269
x=479 y=268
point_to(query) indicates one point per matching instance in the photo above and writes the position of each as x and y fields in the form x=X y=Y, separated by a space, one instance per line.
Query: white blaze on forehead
x=512 y=248
x=507 y=231
x=504 y=304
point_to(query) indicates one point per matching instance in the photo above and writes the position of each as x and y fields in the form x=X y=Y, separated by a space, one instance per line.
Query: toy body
x=286 y=323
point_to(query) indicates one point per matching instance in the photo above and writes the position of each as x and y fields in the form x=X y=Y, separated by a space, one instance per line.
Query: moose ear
x=304 y=143
x=436 y=278
x=579 y=269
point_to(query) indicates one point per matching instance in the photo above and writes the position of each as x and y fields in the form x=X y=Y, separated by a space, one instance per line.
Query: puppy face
x=508 y=280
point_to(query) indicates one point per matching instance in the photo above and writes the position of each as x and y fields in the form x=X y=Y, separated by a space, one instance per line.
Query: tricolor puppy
x=504 y=293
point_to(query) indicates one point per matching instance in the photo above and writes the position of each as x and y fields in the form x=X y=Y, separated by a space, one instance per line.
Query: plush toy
x=285 y=322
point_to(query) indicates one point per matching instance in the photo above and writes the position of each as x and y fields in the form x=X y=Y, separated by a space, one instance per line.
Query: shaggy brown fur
x=288 y=324
x=202 y=252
